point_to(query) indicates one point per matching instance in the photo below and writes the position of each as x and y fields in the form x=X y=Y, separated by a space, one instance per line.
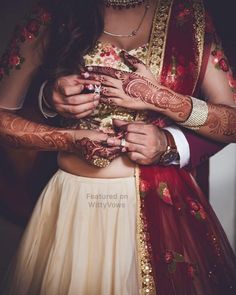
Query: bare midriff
x=120 y=167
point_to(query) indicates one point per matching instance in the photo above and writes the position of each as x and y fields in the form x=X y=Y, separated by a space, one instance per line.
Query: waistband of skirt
x=93 y=179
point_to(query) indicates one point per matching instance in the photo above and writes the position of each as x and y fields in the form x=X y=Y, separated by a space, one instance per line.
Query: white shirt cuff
x=181 y=144
x=43 y=108
x=13 y=108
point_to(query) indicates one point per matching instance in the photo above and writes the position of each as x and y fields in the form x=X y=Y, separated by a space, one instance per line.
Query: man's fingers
x=135 y=127
x=136 y=138
x=136 y=157
x=77 y=109
x=70 y=90
x=80 y=99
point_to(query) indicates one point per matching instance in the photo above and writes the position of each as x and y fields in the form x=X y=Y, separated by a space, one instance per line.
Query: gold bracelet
x=198 y=115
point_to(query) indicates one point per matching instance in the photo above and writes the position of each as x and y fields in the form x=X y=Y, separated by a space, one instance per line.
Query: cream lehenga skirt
x=81 y=240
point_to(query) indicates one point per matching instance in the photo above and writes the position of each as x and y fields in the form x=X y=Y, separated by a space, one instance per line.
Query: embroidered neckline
x=103 y=43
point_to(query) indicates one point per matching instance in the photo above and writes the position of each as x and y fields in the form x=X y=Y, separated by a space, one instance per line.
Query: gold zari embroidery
x=146 y=280
x=158 y=37
x=199 y=28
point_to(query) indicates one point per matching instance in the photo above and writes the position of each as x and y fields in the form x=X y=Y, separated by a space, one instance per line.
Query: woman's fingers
x=98 y=70
x=131 y=61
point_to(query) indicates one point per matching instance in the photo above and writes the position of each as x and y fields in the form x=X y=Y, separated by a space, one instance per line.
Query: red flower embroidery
x=27 y=31
x=194 y=206
x=184 y=13
x=171 y=258
x=144 y=187
x=14 y=60
x=223 y=63
x=197 y=210
x=165 y=193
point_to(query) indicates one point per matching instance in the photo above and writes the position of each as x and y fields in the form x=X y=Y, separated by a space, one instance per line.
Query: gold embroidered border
x=199 y=28
x=146 y=280
x=157 y=43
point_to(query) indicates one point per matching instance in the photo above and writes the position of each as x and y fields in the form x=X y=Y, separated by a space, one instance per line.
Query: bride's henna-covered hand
x=139 y=90
x=18 y=132
x=92 y=150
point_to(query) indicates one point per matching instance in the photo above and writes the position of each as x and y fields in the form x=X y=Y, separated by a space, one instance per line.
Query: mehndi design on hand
x=95 y=153
x=17 y=132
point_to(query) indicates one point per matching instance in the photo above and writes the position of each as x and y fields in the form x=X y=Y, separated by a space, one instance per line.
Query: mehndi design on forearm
x=221 y=120
x=139 y=88
x=161 y=97
x=17 y=132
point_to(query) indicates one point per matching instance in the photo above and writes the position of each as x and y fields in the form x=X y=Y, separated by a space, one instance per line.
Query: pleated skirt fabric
x=81 y=240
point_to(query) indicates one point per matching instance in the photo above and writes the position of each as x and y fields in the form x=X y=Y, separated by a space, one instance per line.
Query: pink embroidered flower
x=197 y=210
x=109 y=61
x=223 y=63
x=14 y=60
x=202 y=214
x=164 y=193
x=194 y=206
x=144 y=186
x=166 y=196
x=183 y=14
x=172 y=259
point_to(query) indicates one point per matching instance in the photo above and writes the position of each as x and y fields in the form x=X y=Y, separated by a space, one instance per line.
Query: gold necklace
x=134 y=32
x=123 y=3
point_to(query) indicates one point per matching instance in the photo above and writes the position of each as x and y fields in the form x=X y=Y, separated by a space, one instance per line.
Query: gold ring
x=123 y=142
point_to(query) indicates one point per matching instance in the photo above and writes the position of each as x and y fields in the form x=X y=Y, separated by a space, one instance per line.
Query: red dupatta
x=176 y=227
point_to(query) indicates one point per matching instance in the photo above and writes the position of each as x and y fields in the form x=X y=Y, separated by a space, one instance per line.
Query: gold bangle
x=198 y=115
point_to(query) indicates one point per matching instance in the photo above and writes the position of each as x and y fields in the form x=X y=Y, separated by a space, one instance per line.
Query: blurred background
x=222 y=165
